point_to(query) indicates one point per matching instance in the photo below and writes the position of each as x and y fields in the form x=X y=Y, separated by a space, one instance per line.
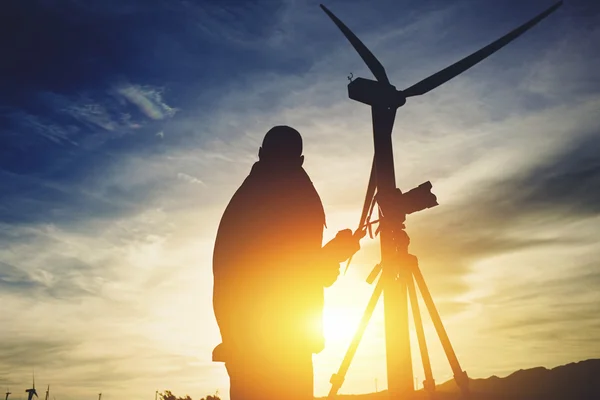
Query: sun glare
x=340 y=323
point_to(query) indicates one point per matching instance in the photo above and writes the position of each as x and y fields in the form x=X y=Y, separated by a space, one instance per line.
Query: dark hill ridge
x=574 y=381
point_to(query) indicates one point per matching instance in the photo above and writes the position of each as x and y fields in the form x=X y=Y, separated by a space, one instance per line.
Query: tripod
x=401 y=269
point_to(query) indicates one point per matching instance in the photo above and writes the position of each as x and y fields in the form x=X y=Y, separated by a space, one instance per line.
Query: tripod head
x=395 y=206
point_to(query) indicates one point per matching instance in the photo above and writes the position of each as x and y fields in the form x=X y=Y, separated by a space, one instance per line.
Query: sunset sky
x=126 y=126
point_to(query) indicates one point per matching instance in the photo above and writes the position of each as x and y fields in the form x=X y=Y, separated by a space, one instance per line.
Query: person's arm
x=336 y=251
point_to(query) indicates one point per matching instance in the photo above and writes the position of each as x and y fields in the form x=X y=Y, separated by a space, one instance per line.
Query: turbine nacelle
x=376 y=93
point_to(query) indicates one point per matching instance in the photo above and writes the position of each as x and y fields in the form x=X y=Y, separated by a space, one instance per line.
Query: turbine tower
x=7 y=394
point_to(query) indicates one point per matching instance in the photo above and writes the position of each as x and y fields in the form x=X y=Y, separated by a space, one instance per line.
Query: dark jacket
x=267 y=264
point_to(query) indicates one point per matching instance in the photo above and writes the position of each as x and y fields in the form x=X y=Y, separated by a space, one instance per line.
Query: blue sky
x=125 y=127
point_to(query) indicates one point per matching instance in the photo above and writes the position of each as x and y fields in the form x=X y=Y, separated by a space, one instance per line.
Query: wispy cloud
x=189 y=178
x=148 y=100
x=93 y=113
x=47 y=129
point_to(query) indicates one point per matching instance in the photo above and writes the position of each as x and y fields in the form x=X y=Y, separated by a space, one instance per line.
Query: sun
x=340 y=323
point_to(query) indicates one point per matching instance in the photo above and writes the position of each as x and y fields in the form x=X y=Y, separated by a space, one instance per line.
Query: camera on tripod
x=398 y=205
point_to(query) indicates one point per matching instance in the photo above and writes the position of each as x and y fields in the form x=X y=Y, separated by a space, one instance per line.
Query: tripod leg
x=428 y=383
x=338 y=379
x=460 y=376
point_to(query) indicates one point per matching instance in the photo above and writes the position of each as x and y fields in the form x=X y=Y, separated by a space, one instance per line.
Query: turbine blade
x=364 y=53
x=461 y=66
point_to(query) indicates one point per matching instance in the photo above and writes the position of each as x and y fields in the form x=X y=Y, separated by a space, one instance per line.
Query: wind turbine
x=47 y=392
x=398 y=269
x=31 y=392
x=8 y=393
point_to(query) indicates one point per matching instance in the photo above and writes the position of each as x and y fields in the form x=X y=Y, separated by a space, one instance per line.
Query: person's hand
x=343 y=246
x=330 y=273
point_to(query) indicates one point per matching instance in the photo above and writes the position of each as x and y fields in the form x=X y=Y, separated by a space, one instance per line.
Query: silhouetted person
x=270 y=271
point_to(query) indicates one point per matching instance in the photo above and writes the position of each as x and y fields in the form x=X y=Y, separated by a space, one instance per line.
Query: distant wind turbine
x=31 y=392
x=47 y=392
x=7 y=394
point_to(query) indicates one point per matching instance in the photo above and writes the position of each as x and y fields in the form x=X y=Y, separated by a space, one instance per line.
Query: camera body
x=417 y=199
x=398 y=205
